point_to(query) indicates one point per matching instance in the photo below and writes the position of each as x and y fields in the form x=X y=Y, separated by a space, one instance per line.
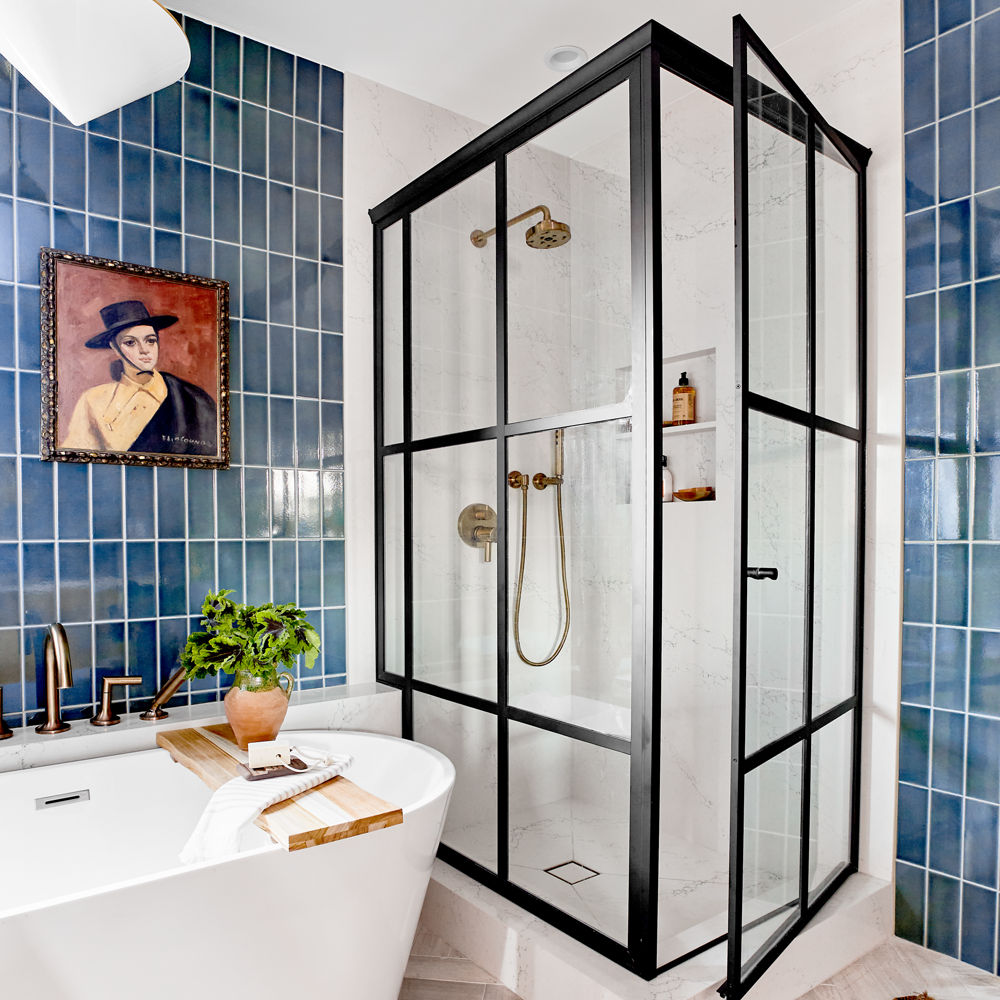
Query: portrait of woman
x=134 y=364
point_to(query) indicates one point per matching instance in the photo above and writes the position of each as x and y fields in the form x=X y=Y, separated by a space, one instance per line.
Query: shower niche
x=647 y=763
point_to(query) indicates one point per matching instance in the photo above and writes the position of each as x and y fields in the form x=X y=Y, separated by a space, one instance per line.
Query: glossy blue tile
x=139 y=502
x=955 y=242
x=32 y=233
x=256 y=497
x=8 y=497
x=30 y=389
x=6 y=84
x=254 y=71
x=28 y=325
x=74 y=582
x=281 y=81
x=979 y=926
x=281 y=162
x=141 y=658
x=911 y=829
x=952 y=584
x=914 y=745
x=919 y=75
x=282 y=376
x=910 y=893
x=109 y=654
x=309 y=505
x=985 y=6
x=955 y=157
x=333 y=573
x=255 y=425
x=987 y=505
x=258 y=569
x=916 y=664
x=332 y=436
x=334 y=643
x=226 y=76
x=254 y=284
x=955 y=328
x=109 y=591
x=307 y=155
x=988 y=234
x=952 y=498
x=281 y=296
x=6 y=239
x=306 y=89
x=921 y=417
x=952 y=13
x=983 y=759
x=103 y=237
x=107 y=125
x=988 y=322
x=985 y=586
x=310 y=575
x=283 y=503
x=255 y=341
x=39 y=590
x=950 y=668
x=227 y=267
x=30 y=101
x=136 y=184
x=332 y=365
x=33 y=153
x=987 y=70
x=198 y=198
x=282 y=432
x=280 y=218
x=307 y=439
x=170 y=505
x=945 y=836
x=137 y=121
x=201 y=573
x=229 y=501
x=172 y=636
x=226 y=135
x=307 y=294
x=332 y=231
x=254 y=208
x=948 y=754
x=73 y=505
x=10 y=598
x=331 y=175
x=988 y=409
x=69 y=232
x=306 y=224
x=106 y=486
x=955 y=413
x=226 y=197
x=167 y=119
x=166 y=191
x=954 y=71
x=197 y=255
x=254 y=140
x=37 y=506
x=200 y=38
x=981 y=843
x=201 y=504
x=197 y=123
x=331 y=298
x=987 y=146
x=307 y=363
x=284 y=571
x=6 y=153
x=231 y=568
x=171 y=578
x=333 y=97
x=7 y=342
x=943 y=898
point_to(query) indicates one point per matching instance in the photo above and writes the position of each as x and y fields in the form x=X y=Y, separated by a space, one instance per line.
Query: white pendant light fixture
x=89 y=57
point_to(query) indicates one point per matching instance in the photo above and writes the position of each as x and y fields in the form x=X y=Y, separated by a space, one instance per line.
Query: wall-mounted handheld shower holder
x=477 y=527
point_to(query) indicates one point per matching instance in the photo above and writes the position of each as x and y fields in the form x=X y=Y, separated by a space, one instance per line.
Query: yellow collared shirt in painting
x=110 y=417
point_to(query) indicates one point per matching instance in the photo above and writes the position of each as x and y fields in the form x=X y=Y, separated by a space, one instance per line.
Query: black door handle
x=762 y=572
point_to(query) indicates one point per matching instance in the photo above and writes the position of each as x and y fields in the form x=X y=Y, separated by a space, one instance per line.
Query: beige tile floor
x=898 y=969
x=436 y=971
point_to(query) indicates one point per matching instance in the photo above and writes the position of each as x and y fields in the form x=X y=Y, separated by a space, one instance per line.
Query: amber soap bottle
x=683 y=409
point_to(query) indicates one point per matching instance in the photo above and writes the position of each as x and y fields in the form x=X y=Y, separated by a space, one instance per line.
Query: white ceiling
x=483 y=58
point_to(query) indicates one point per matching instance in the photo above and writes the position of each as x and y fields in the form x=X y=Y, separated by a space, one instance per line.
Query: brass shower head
x=545 y=235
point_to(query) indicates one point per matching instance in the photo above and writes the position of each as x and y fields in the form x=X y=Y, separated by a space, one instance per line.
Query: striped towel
x=236 y=804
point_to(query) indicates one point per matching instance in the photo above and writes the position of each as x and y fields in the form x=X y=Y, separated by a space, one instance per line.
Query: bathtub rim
x=441 y=792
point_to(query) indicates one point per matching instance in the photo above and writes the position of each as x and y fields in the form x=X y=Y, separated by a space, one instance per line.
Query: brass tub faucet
x=58 y=676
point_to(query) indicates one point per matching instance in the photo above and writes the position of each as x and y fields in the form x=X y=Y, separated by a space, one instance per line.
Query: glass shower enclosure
x=638 y=638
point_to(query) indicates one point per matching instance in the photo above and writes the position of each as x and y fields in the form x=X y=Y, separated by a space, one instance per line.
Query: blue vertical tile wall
x=234 y=172
x=948 y=835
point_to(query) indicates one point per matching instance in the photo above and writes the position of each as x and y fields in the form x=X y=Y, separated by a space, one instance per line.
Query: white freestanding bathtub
x=95 y=904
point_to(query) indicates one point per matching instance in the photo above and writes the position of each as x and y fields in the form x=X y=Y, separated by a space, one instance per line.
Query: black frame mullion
x=647 y=523
x=408 y=476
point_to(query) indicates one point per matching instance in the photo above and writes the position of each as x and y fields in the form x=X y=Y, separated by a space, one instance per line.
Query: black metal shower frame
x=637 y=59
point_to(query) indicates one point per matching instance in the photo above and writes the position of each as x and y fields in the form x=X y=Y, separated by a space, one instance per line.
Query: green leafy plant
x=259 y=639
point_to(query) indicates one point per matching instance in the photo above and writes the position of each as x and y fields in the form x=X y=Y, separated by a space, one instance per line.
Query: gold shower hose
x=520 y=575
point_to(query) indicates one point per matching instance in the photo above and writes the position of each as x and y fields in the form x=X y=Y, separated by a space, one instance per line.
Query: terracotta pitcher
x=256 y=707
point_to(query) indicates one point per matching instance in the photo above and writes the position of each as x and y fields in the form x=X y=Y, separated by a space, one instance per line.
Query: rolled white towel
x=239 y=802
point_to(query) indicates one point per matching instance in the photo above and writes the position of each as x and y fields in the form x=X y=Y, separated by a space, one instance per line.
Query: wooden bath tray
x=289 y=823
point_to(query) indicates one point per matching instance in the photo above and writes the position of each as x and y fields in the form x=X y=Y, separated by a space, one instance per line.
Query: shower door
x=800 y=393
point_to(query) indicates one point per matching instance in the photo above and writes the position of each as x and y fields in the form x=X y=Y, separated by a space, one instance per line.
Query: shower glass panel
x=830 y=805
x=454 y=587
x=454 y=311
x=569 y=820
x=468 y=738
x=392 y=333
x=394 y=564
x=777 y=239
x=570 y=308
x=583 y=674
x=836 y=284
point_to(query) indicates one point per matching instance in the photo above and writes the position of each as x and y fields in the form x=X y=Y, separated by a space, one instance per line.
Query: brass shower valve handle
x=106 y=717
x=517 y=480
x=477 y=527
x=539 y=480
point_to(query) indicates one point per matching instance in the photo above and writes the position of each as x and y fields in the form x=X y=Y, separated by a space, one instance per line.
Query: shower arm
x=479 y=238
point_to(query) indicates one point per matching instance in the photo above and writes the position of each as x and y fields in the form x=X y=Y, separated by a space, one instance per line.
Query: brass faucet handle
x=517 y=480
x=106 y=717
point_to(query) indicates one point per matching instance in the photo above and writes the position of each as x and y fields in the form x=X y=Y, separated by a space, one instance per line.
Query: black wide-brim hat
x=121 y=315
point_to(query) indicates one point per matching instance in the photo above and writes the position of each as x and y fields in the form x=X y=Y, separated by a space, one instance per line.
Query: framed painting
x=135 y=364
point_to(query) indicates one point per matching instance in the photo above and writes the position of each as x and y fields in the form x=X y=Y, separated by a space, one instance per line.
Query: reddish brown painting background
x=189 y=349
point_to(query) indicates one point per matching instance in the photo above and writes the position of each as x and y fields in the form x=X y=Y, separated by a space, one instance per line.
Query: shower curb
x=538 y=962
